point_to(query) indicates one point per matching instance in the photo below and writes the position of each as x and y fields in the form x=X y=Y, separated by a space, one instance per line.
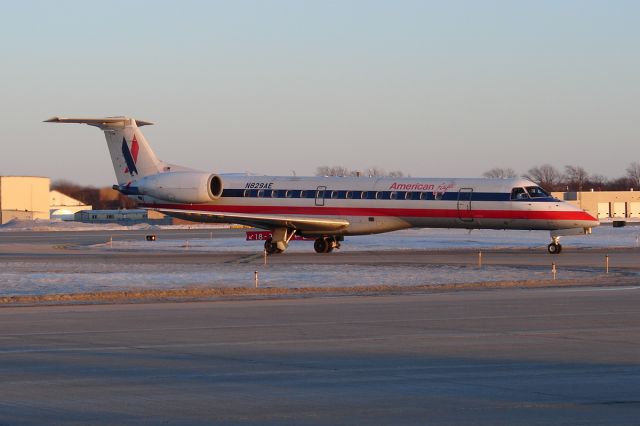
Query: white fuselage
x=374 y=205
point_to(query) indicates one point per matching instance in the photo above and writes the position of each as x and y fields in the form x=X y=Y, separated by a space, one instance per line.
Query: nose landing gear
x=555 y=247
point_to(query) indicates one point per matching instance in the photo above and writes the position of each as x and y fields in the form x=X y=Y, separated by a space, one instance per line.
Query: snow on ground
x=62 y=276
x=410 y=239
x=22 y=278
x=41 y=225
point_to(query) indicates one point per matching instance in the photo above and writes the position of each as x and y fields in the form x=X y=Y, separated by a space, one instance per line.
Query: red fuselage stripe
x=393 y=212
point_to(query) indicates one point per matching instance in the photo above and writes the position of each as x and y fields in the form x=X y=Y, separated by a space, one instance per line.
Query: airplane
x=329 y=208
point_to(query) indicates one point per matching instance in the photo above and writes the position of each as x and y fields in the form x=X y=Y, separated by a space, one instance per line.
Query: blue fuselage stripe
x=373 y=195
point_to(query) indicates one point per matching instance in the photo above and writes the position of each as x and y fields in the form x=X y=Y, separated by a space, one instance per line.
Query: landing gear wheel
x=271 y=247
x=322 y=245
x=554 y=248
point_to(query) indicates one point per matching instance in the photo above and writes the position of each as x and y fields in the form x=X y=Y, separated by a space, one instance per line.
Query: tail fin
x=131 y=155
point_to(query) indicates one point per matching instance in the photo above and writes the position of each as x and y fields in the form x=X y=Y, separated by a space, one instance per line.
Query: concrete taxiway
x=545 y=356
x=499 y=356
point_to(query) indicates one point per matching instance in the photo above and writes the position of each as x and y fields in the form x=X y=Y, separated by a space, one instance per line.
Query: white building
x=63 y=207
x=605 y=205
x=24 y=197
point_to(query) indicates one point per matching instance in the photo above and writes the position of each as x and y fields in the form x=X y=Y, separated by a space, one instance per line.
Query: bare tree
x=376 y=171
x=332 y=171
x=597 y=182
x=576 y=177
x=633 y=174
x=343 y=171
x=620 y=184
x=546 y=176
x=499 y=173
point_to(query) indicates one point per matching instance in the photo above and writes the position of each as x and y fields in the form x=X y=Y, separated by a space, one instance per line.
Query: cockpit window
x=519 y=194
x=537 y=192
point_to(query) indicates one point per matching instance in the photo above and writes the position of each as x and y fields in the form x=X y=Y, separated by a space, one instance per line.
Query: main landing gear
x=555 y=247
x=326 y=244
x=280 y=238
x=320 y=245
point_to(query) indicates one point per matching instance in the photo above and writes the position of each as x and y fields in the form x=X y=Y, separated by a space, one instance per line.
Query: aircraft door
x=320 y=195
x=465 y=213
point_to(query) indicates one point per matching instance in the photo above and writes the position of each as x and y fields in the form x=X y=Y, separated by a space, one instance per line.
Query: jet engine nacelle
x=182 y=187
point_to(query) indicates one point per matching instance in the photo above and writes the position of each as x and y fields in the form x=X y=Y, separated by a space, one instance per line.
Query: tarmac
x=545 y=356
x=556 y=355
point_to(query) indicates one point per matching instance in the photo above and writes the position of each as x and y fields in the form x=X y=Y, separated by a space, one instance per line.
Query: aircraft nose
x=592 y=218
x=591 y=221
x=584 y=219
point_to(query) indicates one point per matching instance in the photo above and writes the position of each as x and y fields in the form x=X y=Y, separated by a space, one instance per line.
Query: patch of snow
x=410 y=239
x=41 y=225
x=34 y=278
x=65 y=276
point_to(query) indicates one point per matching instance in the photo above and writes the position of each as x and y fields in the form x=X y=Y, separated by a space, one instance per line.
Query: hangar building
x=24 y=197
x=605 y=204
x=63 y=207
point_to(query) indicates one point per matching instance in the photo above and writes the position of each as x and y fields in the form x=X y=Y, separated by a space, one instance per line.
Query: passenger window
x=348 y=195
x=289 y=194
x=423 y=195
x=393 y=196
x=246 y=193
x=335 y=194
x=261 y=193
x=408 y=195
x=519 y=194
x=438 y=196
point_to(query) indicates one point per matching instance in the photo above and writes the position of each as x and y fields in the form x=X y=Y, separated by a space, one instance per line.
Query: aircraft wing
x=309 y=224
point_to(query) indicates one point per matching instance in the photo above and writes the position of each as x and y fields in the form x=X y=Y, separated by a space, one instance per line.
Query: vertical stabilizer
x=130 y=153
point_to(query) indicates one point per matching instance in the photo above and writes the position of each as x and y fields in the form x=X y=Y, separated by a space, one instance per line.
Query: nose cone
x=584 y=219
x=594 y=221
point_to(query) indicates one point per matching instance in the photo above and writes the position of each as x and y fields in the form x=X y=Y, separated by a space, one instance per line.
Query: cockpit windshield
x=519 y=194
x=537 y=192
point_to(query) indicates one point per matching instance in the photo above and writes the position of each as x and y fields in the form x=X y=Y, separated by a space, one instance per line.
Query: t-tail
x=130 y=153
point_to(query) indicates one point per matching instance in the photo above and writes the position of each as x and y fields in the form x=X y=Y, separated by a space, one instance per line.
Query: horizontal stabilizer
x=131 y=155
x=99 y=122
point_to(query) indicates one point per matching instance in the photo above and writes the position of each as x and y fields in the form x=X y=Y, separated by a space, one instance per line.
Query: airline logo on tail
x=130 y=155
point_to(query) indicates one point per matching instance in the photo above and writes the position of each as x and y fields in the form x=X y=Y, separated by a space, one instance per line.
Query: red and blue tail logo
x=130 y=156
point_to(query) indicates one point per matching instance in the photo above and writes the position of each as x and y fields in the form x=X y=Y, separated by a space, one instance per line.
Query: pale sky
x=449 y=88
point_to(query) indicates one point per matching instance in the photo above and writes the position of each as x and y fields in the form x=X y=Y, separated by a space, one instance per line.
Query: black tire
x=270 y=247
x=554 y=248
x=321 y=245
